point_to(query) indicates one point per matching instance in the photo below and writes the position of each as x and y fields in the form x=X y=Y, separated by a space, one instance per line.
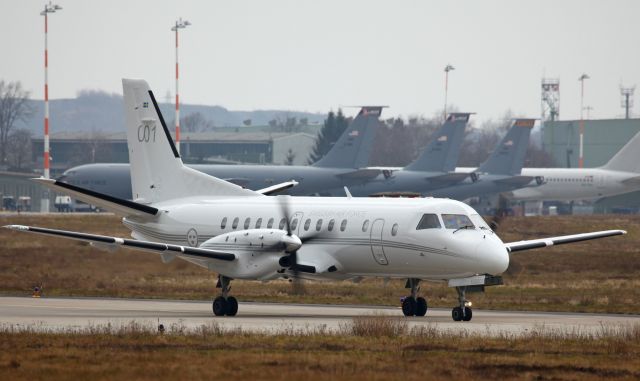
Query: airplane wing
x=551 y=241
x=360 y=174
x=515 y=180
x=277 y=187
x=448 y=178
x=166 y=250
x=110 y=203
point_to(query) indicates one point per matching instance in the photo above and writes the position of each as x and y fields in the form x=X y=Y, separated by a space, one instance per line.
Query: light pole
x=581 y=151
x=48 y=8
x=180 y=24
x=447 y=69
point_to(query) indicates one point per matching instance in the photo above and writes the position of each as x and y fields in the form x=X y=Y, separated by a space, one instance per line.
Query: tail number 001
x=146 y=133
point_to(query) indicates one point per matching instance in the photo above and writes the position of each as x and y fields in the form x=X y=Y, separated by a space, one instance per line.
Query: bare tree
x=19 y=149
x=193 y=122
x=14 y=106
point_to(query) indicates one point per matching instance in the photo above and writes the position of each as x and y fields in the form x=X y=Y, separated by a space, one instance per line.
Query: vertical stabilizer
x=442 y=152
x=628 y=158
x=157 y=172
x=353 y=148
x=508 y=157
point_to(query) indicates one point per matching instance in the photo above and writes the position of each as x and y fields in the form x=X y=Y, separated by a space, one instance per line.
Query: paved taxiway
x=80 y=313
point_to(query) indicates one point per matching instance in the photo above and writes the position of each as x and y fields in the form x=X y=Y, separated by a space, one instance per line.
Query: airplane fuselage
x=350 y=237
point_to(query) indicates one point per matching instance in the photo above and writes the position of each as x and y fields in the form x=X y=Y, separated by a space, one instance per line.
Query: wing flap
x=110 y=203
x=552 y=241
x=105 y=241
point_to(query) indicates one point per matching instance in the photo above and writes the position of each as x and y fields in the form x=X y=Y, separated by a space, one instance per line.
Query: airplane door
x=375 y=239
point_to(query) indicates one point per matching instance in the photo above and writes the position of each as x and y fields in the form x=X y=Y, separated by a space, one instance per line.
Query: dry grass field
x=597 y=276
x=373 y=348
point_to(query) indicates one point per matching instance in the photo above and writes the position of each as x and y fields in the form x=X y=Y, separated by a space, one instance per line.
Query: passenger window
x=247 y=222
x=330 y=226
x=223 y=224
x=394 y=230
x=429 y=221
x=258 y=223
x=343 y=225
x=456 y=221
x=294 y=224
x=270 y=223
x=307 y=223
x=282 y=223
x=365 y=226
x=234 y=225
x=319 y=225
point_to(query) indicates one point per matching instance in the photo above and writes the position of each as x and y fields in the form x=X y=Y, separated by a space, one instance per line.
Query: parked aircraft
x=338 y=168
x=242 y=234
x=621 y=174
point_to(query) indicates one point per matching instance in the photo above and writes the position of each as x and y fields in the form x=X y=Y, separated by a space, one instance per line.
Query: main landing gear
x=413 y=305
x=225 y=304
x=462 y=312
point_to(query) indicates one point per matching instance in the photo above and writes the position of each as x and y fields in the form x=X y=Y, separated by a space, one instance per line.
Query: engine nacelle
x=258 y=252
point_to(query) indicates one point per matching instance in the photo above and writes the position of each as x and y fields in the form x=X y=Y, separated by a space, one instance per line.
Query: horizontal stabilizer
x=632 y=181
x=552 y=241
x=105 y=241
x=365 y=173
x=516 y=180
x=448 y=178
x=277 y=188
x=119 y=206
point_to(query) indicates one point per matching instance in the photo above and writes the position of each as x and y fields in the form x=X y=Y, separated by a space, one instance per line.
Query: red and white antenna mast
x=180 y=24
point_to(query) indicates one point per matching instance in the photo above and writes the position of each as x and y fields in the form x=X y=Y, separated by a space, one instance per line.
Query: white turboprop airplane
x=243 y=234
x=621 y=174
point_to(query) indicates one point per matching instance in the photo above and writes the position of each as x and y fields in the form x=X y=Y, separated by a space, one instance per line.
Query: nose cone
x=493 y=255
x=291 y=243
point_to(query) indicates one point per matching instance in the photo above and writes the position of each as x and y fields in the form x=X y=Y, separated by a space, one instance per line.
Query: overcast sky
x=317 y=55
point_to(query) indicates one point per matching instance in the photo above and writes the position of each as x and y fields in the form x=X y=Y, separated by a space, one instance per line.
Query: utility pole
x=48 y=8
x=626 y=102
x=581 y=151
x=447 y=69
x=180 y=24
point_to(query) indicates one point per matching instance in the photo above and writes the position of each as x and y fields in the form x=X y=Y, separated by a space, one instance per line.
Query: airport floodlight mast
x=627 y=100
x=447 y=69
x=550 y=99
x=180 y=24
x=48 y=8
x=581 y=151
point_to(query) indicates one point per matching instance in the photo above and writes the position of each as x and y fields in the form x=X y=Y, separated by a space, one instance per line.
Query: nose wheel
x=224 y=305
x=462 y=312
x=414 y=305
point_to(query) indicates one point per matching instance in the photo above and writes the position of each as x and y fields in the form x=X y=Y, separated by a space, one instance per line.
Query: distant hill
x=99 y=111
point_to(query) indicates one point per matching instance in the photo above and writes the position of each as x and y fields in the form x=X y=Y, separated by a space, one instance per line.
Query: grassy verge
x=372 y=348
x=597 y=276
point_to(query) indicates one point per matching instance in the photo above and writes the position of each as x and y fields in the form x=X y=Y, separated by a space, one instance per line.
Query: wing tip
x=16 y=227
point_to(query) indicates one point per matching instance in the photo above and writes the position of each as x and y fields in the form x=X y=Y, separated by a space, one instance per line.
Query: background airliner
x=179 y=212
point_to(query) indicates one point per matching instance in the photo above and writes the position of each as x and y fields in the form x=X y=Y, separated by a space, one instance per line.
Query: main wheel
x=219 y=306
x=232 y=306
x=409 y=306
x=421 y=307
x=456 y=314
x=467 y=314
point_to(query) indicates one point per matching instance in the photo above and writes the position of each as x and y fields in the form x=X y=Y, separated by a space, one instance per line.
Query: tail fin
x=508 y=157
x=157 y=172
x=353 y=148
x=441 y=154
x=628 y=158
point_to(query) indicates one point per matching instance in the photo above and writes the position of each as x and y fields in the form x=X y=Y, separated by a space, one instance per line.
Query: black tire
x=468 y=314
x=456 y=314
x=219 y=306
x=421 y=307
x=409 y=306
x=232 y=306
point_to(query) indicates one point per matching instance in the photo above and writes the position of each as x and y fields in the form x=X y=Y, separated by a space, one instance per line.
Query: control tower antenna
x=626 y=100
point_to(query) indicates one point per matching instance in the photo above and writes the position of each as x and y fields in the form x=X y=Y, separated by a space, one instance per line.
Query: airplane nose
x=495 y=257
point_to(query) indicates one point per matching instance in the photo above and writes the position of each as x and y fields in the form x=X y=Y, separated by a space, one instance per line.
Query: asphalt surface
x=59 y=314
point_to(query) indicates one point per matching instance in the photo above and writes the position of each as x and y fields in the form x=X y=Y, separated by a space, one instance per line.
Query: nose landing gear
x=462 y=312
x=413 y=305
x=224 y=304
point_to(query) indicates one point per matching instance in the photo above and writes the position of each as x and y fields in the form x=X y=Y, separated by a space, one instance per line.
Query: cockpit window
x=479 y=221
x=429 y=221
x=456 y=221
